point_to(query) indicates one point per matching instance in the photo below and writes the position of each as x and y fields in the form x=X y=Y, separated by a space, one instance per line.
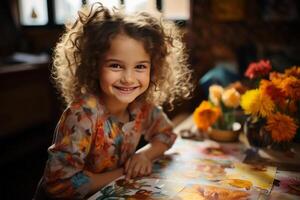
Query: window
x=140 y=5
x=57 y=12
x=65 y=10
x=176 y=9
x=33 y=12
x=107 y=3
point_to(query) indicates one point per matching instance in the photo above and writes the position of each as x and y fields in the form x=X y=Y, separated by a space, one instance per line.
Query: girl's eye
x=115 y=66
x=141 y=67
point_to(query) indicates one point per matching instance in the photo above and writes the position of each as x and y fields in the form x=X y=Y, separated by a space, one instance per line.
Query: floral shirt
x=88 y=138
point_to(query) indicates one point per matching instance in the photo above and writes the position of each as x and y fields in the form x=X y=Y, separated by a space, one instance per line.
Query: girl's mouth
x=125 y=89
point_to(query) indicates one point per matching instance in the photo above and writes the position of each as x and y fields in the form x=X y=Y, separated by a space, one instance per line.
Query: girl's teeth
x=126 y=89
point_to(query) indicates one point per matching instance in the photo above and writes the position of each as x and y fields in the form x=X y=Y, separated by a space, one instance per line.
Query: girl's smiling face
x=125 y=71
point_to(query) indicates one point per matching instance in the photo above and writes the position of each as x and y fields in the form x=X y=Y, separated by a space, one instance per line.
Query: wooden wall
x=239 y=28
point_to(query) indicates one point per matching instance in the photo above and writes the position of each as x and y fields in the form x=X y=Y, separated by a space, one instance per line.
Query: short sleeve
x=159 y=127
x=64 y=175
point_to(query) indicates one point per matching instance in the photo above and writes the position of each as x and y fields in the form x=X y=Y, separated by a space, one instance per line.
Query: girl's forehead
x=123 y=36
x=124 y=47
x=121 y=41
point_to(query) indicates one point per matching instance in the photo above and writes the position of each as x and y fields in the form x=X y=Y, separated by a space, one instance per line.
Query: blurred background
x=219 y=34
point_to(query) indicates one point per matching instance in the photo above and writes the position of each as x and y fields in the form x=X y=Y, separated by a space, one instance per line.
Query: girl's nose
x=127 y=77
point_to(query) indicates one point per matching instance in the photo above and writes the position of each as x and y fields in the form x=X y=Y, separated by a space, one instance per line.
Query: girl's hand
x=138 y=165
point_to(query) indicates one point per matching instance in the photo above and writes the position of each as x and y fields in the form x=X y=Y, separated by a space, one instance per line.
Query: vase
x=223 y=135
x=281 y=146
x=255 y=132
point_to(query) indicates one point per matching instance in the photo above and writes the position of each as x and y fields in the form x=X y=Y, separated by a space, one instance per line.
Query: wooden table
x=208 y=170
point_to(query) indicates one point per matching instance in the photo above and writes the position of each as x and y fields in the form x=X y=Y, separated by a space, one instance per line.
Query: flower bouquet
x=217 y=115
x=272 y=107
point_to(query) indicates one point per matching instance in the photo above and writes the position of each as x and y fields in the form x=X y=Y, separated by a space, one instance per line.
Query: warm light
x=33 y=12
x=176 y=9
x=65 y=10
x=107 y=3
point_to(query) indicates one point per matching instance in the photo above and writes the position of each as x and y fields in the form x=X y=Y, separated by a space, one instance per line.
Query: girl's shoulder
x=89 y=104
x=145 y=109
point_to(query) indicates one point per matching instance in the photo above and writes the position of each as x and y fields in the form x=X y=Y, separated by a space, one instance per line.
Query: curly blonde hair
x=83 y=45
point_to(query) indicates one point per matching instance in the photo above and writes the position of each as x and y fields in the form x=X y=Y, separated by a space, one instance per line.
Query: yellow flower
x=231 y=98
x=205 y=115
x=281 y=127
x=254 y=103
x=247 y=100
x=215 y=93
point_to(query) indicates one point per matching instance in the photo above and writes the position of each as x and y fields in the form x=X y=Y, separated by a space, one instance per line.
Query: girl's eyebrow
x=112 y=60
x=145 y=61
x=120 y=61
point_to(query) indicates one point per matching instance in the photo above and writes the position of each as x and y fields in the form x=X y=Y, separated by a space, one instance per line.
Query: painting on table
x=287 y=182
x=196 y=170
x=221 y=172
x=209 y=149
x=144 y=188
x=284 y=196
x=201 y=191
x=158 y=189
x=259 y=176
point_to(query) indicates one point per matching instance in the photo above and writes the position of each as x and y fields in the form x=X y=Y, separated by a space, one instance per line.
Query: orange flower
x=231 y=98
x=293 y=71
x=276 y=78
x=238 y=86
x=205 y=115
x=270 y=89
x=281 y=127
x=292 y=87
x=292 y=107
x=215 y=94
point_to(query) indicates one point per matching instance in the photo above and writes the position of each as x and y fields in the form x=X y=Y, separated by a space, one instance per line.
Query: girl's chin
x=126 y=96
x=126 y=100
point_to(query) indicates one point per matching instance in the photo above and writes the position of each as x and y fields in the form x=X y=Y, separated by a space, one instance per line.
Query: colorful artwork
x=145 y=188
x=258 y=176
x=209 y=149
x=287 y=182
x=193 y=170
x=221 y=172
x=155 y=189
x=282 y=196
x=206 y=192
x=196 y=170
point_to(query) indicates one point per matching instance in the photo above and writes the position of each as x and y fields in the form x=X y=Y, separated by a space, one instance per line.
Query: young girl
x=113 y=71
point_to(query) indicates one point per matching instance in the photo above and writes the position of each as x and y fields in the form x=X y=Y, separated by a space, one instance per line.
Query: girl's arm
x=159 y=132
x=97 y=181
x=154 y=150
x=151 y=152
x=141 y=163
